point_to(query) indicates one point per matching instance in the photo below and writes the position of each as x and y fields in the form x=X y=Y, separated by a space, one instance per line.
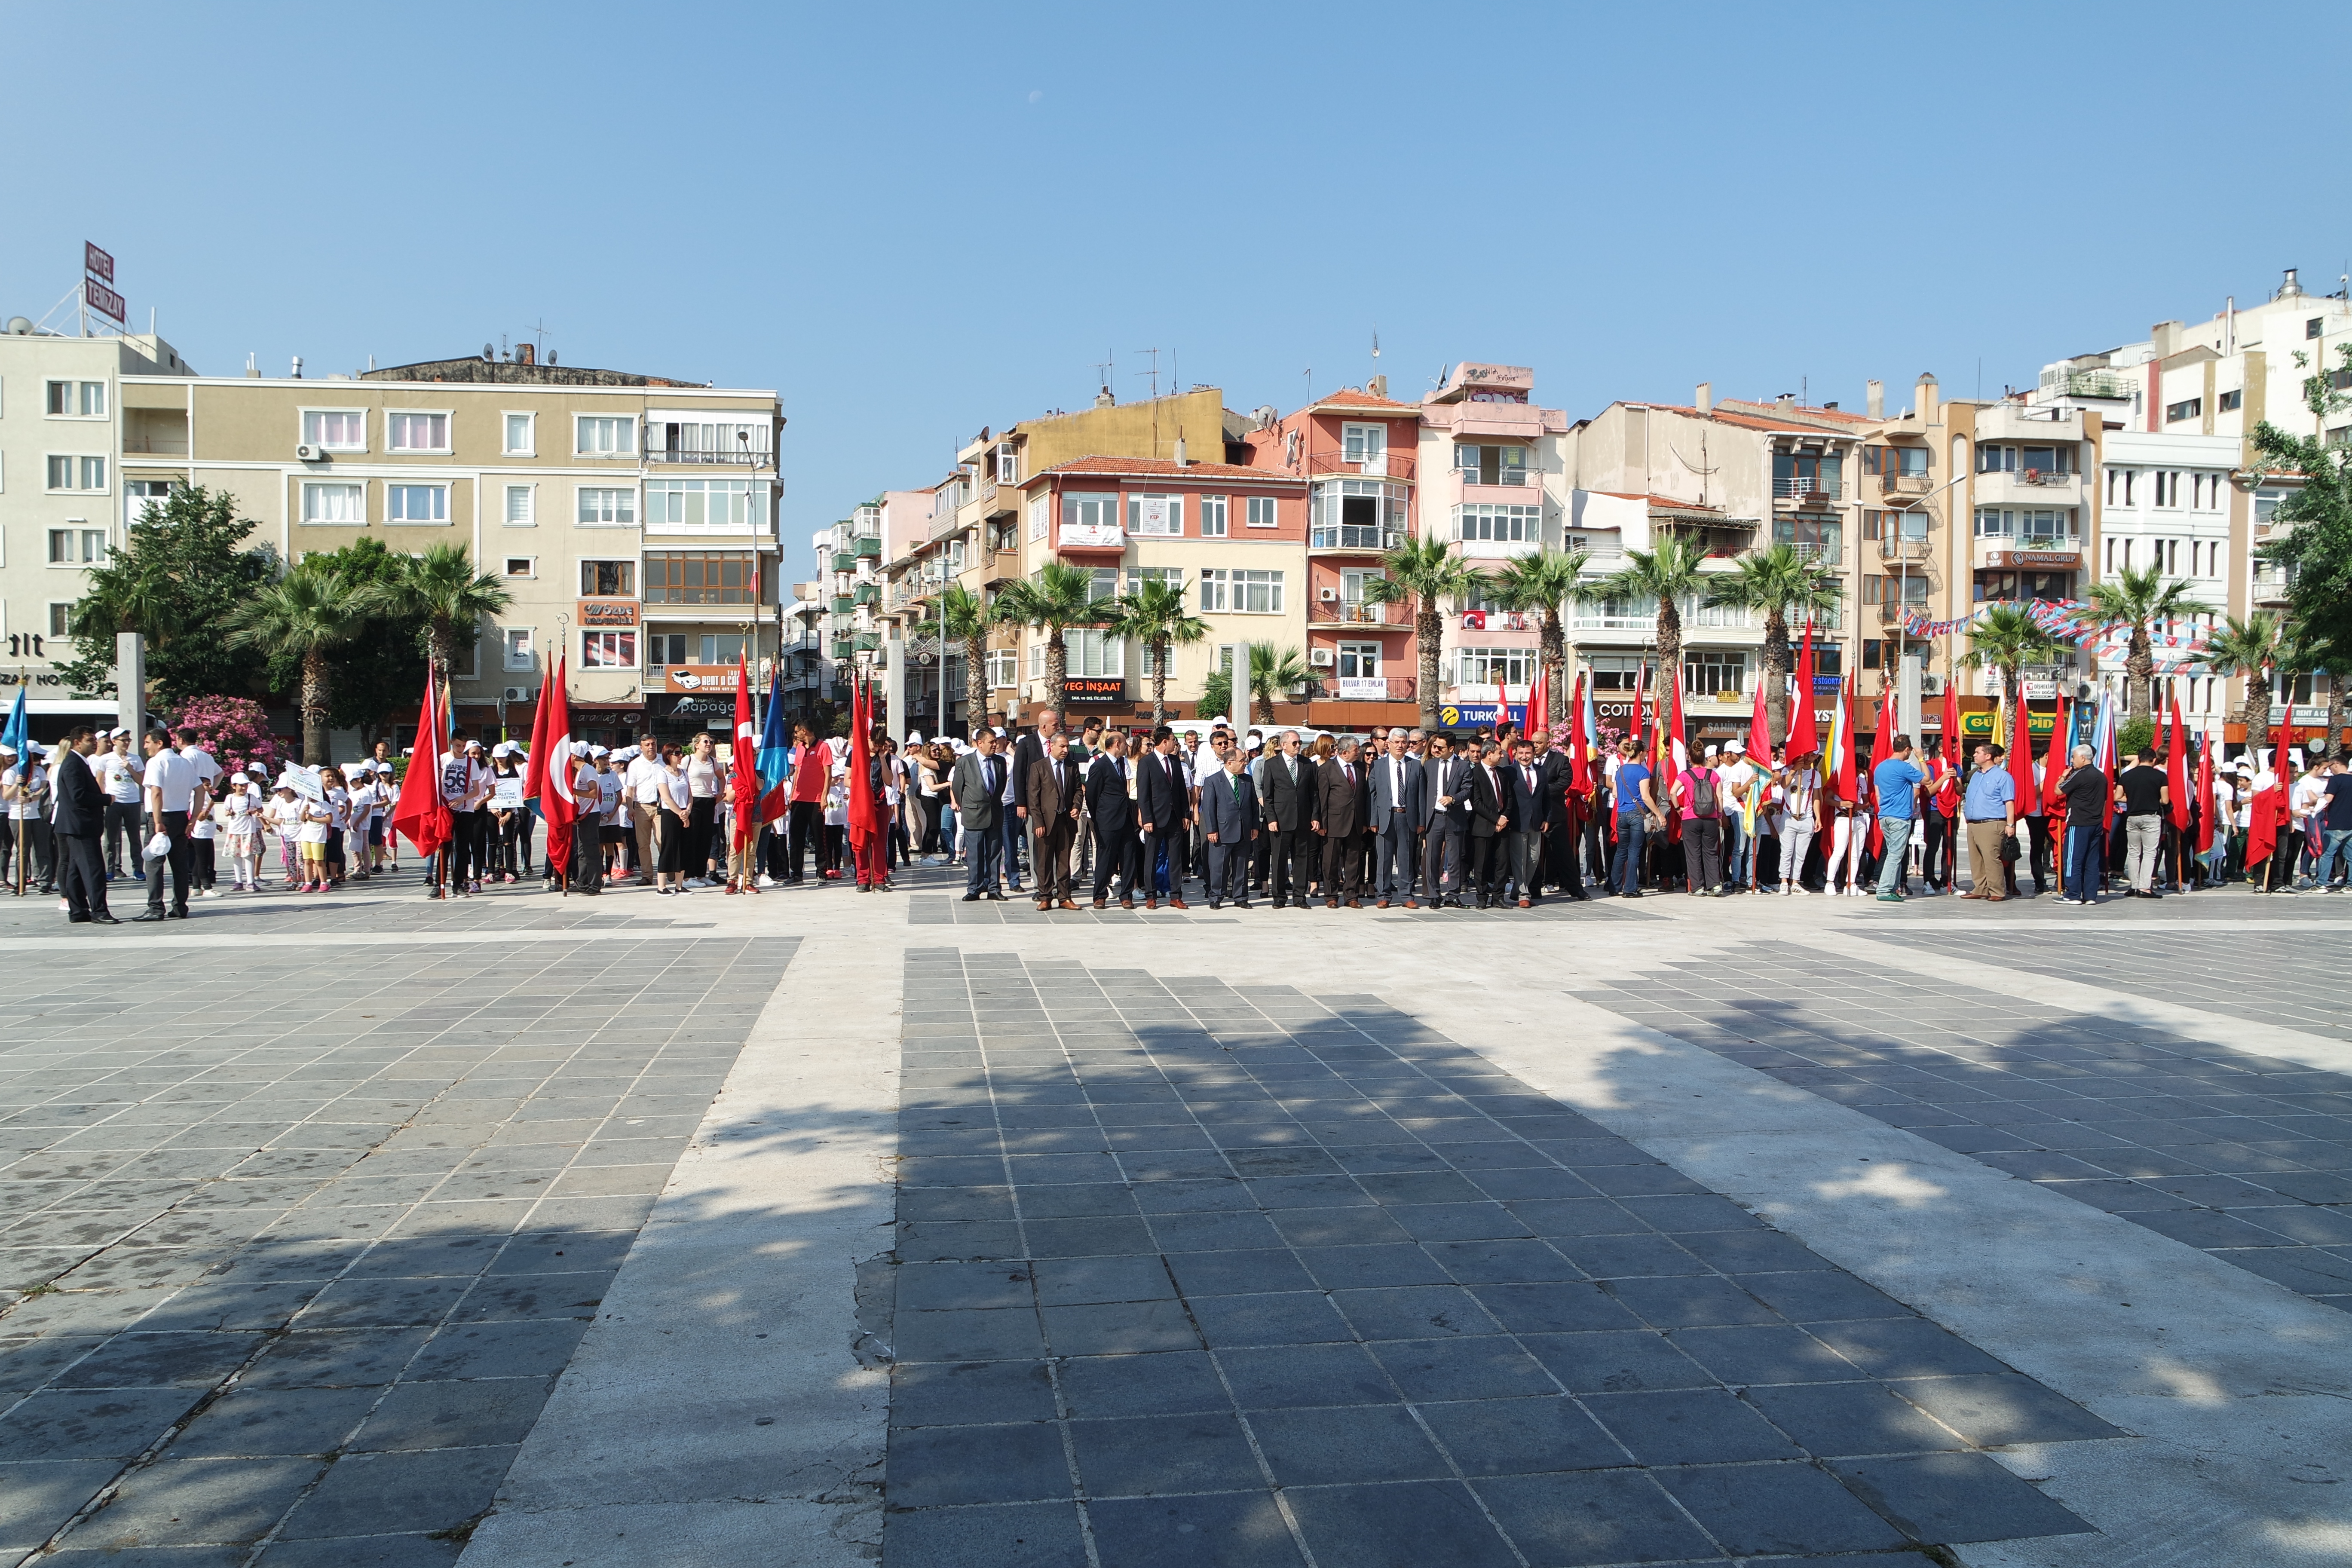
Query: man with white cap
x=117 y=774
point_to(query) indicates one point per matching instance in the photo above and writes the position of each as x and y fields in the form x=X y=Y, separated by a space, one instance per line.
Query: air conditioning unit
x=1328 y=595
x=518 y=693
x=309 y=454
x=1322 y=657
x=1931 y=686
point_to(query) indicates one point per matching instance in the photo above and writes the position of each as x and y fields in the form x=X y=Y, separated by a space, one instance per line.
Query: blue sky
x=916 y=220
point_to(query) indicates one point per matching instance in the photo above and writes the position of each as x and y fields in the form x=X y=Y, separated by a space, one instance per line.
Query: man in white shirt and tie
x=1397 y=809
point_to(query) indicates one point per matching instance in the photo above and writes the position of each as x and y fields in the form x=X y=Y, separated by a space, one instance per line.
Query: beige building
x=632 y=518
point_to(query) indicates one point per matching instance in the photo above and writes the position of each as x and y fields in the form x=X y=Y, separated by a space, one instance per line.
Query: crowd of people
x=1492 y=819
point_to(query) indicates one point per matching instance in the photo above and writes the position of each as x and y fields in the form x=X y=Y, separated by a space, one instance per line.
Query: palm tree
x=2334 y=659
x=1058 y=597
x=1273 y=674
x=1423 y=573
x=1217 y=692
x=442 y=589
x=302 y=615
x=2006 y=638
x=965 y=618
x=1542 y=583
x=1665 y=573
x=2140 y=598
x=1156 y=614
x=1773 y=583
x=2247 y=647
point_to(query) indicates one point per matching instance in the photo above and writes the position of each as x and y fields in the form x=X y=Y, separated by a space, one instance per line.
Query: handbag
x=2009 y=848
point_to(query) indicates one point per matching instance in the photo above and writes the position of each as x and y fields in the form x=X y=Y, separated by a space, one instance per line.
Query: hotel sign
x=608 y=613
x=2059 y=560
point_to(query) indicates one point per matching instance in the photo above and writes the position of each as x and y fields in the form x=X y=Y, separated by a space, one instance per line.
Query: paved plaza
x=824 y=1228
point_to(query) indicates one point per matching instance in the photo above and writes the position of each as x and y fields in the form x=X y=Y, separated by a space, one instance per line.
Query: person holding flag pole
x=16 y=740
x=2176 y=769
x=775 y=770
x=422 y=815
x=743 y=788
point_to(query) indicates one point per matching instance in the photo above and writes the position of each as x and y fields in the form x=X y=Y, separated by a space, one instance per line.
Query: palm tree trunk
x=1552 y=648
x=314 y=707
x=2139 y=667
x=1057 y=667
x=1426 y=630
x=1776 y=675
x=975 y=684
x=1670 y=641
x=2258 y=716
x=2335 y=715
x=1159 y=681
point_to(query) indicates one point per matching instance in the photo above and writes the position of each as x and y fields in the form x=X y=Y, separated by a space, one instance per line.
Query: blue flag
x=16 y=737
x=775 y=748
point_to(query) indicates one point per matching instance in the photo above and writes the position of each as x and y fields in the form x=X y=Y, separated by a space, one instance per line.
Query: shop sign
x=1978 y=726
x=2067 y=559
x=608 y=613
x=1363 y=688
x=699 y=678
x=1091 y=689
x=1469 y=715
x=1091 y=536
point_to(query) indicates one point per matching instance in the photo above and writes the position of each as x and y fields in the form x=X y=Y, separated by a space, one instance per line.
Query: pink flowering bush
x=235 y=730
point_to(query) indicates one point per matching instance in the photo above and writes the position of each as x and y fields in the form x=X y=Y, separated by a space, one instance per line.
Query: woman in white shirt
x=702 y=819
x=1801 y=821
x=673 y=823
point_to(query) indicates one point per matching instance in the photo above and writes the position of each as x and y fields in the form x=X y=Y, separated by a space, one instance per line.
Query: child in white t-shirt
x=316 y=818
x=243 y=840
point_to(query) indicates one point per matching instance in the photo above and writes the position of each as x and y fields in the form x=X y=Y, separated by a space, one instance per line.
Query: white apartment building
x=2166 y=500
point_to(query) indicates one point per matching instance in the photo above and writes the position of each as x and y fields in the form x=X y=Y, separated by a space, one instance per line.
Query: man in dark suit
x=1559 y=841
x=1111 y=807
x=1229 y=821
x=1532 y=809
x=80 y=824
x=1396 y=811
x=1343 y=810
x=1287 y=799
x=1164 y=815
x=1052 y=788
x=1446 y=820
x=1490 y=823
x=1028 y=751
x=977 y=789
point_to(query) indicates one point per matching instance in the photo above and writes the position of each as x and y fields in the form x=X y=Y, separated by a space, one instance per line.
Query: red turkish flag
x=745 y=778
x=1802 y=737
x=558 y=801
x=420 y=815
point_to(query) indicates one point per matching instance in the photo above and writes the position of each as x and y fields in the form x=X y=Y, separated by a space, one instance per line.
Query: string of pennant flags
x=2174 y=643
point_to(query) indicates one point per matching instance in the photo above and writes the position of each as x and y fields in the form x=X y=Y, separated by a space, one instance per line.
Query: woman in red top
x=1943 y=805
x=812 y=772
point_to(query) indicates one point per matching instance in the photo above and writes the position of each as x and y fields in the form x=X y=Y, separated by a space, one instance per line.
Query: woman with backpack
x=1698 y=790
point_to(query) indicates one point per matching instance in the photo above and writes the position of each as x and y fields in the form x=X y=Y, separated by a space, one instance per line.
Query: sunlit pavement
x=362 y=1229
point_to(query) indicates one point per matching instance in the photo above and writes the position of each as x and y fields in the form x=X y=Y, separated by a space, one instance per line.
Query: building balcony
x=1389 y=464
x=1794 y=494
x=869 y=547
x=866 y=642
x=1353 y=539
x=841 y=648
x=868 y=593
x=1350 y=613
x=1819 y=555
x=740 y=455
x=842 y=603
x=844 y=560
x=1893 y=549
x=2029 y=487
x=1904 y=485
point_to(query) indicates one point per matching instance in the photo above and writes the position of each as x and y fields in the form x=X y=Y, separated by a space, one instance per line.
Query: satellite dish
x=19 y=327
x=489 y=352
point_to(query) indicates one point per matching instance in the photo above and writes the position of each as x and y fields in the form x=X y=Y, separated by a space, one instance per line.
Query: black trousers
x=1939 y=850
x=807 y=823
x=2037 y=828
x=1115 y=855
x=1343 y=865
x=1559 y=859
x=1444 y=853
x=1289 y=869
x=587 y=857
x=172 y=825
x=1488 y=864
x=82 y=874
x=701 y=828
x=122 y=827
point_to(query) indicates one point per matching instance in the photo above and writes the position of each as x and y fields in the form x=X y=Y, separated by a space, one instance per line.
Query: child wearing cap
x=284 y=816
x=243 y=840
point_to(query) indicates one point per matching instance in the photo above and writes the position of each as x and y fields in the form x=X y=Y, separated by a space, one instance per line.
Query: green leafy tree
x=2139 y=599
x=2007 y=639
x=1273 y=674
x=1425 y=574
x=1776 y=583
x=1217 y=692
x=182 y=567
x=1667 y=574
x=1157 y=614
x=965 y=618
x=377 y=673
x=441 y=589
x=2311 y=534
x=1057 y=598
x=2333 y=658
x=1539 y=584
x=2247 y=647
x=304 y=616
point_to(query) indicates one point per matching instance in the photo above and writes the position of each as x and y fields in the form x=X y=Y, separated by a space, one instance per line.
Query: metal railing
x=1353 y=536
x=1390 y=465
x=2044 y=476
x=1903 y=484
x=1892 y=548
x=1814 y=488
x=1346 y=611
x=1504 y=479
x=742 y=455
x=1826 y=555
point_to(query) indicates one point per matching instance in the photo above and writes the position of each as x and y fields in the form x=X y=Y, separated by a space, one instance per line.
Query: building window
x=335 y=503
x=416 y=503
x=1261 y=512
x=1613 y=671
x=77 y=546
x=1479 y=521
x=522 y=437
x=698 y=503
x=416 y=432
x=1360 y=660
x=1089 y=511
x=1003 y=667
x=1887 y=524
x=1094 y=653
x=1716 y=672
x=603 y=435
x=1906 y=462
x=521 y=566
x=1493 y=666
x=2230 y=402
x=518 y=647
x=1878 y=589
x=1816 y=539
x=1037 y=661
x=76 y=473
x=335 y=429
x=1802 y=474
x=608 y=579
x=1490 y=465
x=61 y=620
x=608 y=650
x=700 y=577
x=77 y=399
x=2187 y=408
x=1992 y=586
x=1041 y=515
x=2029 y=459
x=1363 y=443
x=1156 y=516
x=1246 y=593
x=606 y=506
x=2312 y=327
x=1008 y=463
x=521 y=507
x=1213 y=517
x=1356 y=514
x=1139 y=575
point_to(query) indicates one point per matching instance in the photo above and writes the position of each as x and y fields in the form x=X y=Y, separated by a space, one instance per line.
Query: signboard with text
x=1363 y=688
x=1093 y=689
x=97 y=284
x=608 y=613
x=2062 y=560
x=699 y=678
x=1465 y=715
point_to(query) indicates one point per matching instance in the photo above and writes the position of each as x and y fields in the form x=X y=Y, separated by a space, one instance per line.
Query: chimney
x=1378 y=386
x=2290 y=289
x=298 y=367
x=252 y=370
x=526 y=353
x=1704 y=397
x=1180 y=451
x=1103 y=399
x=1786 y=400
x=1874 y=398
x=1924 y=392
x=2164 y=337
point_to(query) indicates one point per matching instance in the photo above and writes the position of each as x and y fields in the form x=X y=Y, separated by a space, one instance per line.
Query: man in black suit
x=1343 y=815
x=1028 y=753
x=1164 y=813
x=1490 y=823
x=1111 y=807
x=1286 y=797
x=1445 y=819
x=80 y=824
x=1229 y=821
x=1532 y=808
x=1559 y=842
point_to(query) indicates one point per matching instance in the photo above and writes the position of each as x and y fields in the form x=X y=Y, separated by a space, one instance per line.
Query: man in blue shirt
x=1990 y=803
x=1894 y=784
x=1637 y=813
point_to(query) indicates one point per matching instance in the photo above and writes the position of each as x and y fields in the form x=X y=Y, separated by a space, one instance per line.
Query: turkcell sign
x=1455 y=715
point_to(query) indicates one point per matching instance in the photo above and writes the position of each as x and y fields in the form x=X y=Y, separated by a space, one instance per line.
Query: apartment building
x=632 y=518
x=65 y=499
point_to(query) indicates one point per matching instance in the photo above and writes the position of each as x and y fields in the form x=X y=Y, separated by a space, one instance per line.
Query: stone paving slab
x=2245 y=1157
x=1303 y=1279
x=297 y=1241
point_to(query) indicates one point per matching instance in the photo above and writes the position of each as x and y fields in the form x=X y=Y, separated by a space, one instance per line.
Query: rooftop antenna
x=1155 y=369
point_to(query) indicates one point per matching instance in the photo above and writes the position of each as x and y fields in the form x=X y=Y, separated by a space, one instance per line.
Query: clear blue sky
x=916 y=220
